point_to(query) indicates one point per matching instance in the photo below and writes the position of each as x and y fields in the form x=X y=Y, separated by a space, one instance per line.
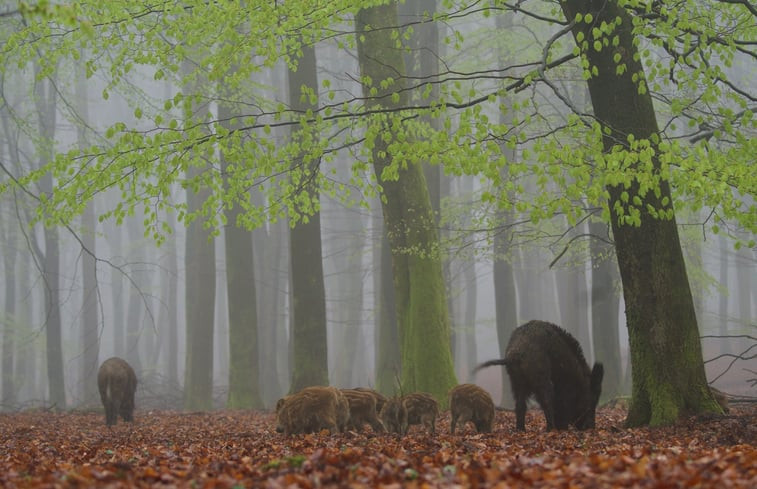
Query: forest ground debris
x=242 y=449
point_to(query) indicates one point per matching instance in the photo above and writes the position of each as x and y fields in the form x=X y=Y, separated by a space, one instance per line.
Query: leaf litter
x=242 y=449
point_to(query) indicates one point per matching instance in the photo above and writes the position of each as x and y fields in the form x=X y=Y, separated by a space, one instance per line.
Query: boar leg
x=520 y=412
x=546 y=399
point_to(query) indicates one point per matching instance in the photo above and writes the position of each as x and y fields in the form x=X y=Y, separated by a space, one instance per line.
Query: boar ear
x=597 y=373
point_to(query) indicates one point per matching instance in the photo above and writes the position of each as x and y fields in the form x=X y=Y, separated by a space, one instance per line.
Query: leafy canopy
x=175 y=63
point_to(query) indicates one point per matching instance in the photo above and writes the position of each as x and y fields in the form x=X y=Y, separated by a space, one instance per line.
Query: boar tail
x=490 y=363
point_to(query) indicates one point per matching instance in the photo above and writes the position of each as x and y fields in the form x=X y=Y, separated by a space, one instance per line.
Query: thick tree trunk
x=668 y=372
x=419 y=288
x=309 y=333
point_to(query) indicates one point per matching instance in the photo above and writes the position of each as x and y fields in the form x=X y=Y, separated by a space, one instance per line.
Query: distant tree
x=199 y=281
x=90 y=331
x=308 y=290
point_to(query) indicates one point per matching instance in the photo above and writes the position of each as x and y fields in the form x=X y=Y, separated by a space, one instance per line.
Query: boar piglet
x=415 y=408
x=362 y=410
x=380 y=398
x=311 y=410
x=545 y=361
x=117 y=384
x=394 y=415
x=469 y=402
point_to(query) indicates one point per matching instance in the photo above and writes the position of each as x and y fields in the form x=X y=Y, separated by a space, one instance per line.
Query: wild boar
x=394 y=415
x=117 y=384
x=469 y=402
x=311 y=410
x=380 y=398
x=422 y=408
x=545 y=361
x=362 y=410
x=400 y=413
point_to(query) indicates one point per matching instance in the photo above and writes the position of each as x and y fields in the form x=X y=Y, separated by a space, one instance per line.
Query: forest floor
x=241 y=449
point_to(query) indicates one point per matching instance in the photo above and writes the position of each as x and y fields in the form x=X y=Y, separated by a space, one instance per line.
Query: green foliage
x=698 y=58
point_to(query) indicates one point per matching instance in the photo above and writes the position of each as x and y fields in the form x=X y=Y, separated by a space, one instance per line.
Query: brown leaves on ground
x=242 y=449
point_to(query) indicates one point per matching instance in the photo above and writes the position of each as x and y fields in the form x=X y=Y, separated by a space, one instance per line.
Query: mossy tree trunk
x=309 y=334
x=409 y=222
x=666 y=357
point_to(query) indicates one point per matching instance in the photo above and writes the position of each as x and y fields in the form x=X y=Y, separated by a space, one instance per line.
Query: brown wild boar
x=362 y=410
x=469 y=402
x=399 y=414
x=545 y=361
x=117 y=384
x=311 y=410
x=380 y=398
x=394 y=415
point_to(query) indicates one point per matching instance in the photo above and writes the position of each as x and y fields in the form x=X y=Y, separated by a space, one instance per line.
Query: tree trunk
x=90 y=334
x=135 y=305
x=10 y=326
x=270 y=260
x=668 y=371
x=199 y=296
x=200 y=291
x=418 y=284
x=309 y=334
x=505 y=292
x=244 y=381
x=45 y=102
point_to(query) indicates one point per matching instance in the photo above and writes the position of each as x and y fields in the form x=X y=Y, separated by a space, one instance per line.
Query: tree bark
x=90 y=335
x=244 y=379
x=200 y=287
x=418 y=284
x=309 y=334
x=45 y=101
x=8 y=399
x=199 y=297
x=668 y=372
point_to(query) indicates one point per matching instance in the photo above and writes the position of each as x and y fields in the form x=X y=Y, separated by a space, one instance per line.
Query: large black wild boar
x=545 y=361
x=362 y=410
x=311 y=410
x=117 y=384
x=469 y=402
